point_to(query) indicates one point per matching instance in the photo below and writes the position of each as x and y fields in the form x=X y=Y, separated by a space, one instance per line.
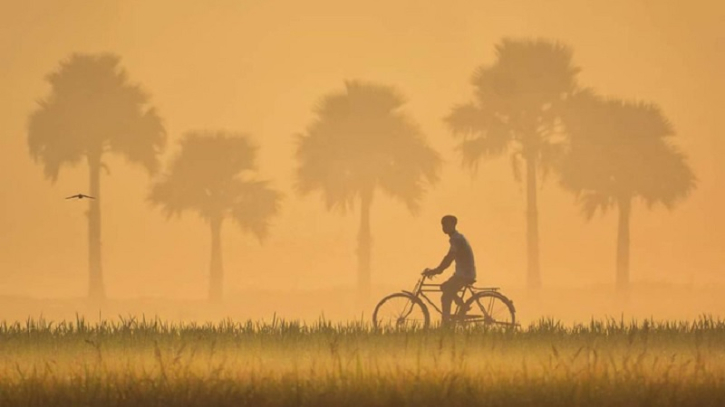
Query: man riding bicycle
x=460 y=252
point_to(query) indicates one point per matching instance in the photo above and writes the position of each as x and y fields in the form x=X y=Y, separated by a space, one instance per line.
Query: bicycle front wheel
x=401 y=311
x=491 y=309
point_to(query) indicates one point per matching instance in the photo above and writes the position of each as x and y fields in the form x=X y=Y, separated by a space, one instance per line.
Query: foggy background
x=261 y=67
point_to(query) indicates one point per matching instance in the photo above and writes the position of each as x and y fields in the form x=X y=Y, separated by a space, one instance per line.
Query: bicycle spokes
x=492 y=309
x=400 y=311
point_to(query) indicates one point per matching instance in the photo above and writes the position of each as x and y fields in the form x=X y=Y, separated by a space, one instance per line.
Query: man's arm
x=447 y=260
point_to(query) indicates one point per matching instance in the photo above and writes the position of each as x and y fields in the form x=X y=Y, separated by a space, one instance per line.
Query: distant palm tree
x=361 y=141
x=620 y=151
x=212 y=176
x=517 y=102
x=92 y=110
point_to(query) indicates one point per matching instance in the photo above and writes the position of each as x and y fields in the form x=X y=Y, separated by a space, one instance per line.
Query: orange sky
x=261 y=66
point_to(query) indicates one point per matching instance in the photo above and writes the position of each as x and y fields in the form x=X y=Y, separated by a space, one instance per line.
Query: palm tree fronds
x=517 y=100
x=590 y=202
x=466 y=119
x=52 y=141
x=93 y=108
x=142 y=140
x=550 y=158
x=207 y=174
x=670 y=180
x=361 y=140
x=254 y=205
x=619 y=148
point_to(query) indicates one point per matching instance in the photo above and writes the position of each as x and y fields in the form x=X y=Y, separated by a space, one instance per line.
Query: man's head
x=449 y=224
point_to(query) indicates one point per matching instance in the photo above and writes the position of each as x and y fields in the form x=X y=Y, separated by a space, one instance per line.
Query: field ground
x=153 y=363
x=665 y=346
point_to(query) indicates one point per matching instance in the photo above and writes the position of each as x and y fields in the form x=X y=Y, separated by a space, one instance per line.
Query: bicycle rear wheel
x=490 y=309
x=401 y=311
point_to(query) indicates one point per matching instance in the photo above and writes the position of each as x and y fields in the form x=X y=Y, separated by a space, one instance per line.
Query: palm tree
x=620 y=152
x=212 y=175
x=93 y=110
x=361 y=141
x=517 y=102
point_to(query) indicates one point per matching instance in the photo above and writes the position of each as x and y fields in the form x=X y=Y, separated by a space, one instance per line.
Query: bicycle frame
x=421 y=287
x=492 y=307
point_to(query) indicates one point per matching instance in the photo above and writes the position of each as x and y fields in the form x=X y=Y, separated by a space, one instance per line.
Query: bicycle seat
x=468 y=286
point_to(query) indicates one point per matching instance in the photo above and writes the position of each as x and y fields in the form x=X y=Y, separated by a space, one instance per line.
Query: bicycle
x=405 y=310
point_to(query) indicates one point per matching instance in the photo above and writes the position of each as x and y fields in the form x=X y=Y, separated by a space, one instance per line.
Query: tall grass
x=145 y=362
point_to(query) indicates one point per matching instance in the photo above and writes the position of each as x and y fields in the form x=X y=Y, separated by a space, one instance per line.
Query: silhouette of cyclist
x=465 y=273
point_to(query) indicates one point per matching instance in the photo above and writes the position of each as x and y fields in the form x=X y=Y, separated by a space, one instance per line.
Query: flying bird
x=79 y=196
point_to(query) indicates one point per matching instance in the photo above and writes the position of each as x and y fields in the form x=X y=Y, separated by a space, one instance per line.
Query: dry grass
x=145 y=363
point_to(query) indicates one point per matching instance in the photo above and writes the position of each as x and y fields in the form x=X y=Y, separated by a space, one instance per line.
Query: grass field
x=152 y=363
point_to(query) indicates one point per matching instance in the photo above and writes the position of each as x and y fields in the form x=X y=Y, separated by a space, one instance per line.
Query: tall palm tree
x=93 y=110
x=362 y=141
x=620 y=152
x=212 y=176
x=516 y=105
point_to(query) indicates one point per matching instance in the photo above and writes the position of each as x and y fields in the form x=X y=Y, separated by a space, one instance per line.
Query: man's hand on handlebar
x=430 y=272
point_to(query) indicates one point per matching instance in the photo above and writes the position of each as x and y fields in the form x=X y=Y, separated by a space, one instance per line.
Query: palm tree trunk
x=533 y=274
x=96 y=290
x=625 y=210
x=216 y=272
x=364 y=248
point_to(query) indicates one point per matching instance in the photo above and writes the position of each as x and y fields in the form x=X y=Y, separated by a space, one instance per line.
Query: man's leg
x=450 y=290
x=457 y=298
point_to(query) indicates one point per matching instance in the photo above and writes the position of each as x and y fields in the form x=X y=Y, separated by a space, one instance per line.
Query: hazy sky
x=260 y=67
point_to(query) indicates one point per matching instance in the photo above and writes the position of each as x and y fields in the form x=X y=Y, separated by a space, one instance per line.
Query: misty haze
x=196 y=162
